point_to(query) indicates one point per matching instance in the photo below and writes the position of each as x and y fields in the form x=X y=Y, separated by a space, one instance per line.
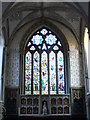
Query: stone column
x=1 y=60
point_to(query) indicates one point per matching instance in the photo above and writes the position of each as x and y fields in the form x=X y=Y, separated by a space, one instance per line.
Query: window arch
x=44 y=64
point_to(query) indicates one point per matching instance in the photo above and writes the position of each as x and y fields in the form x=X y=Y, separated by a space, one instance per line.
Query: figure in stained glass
x=28 y=73
x=52 y=63
x=60 y=61
x=44 y=72
x=36 y=76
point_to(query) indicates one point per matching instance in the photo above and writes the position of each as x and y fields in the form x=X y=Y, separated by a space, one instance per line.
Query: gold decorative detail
x=59 y=101
x=29 y=110
x=66 y=110
x=23 y=110
x=66 y=101
x=29 y=101
x=60 y=110
x=35 y=101
x=53 y=110
x=23 y=101
x=35 y=110
x=53 y=101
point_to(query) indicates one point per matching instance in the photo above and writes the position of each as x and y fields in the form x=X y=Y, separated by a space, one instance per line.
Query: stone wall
x=13 y=68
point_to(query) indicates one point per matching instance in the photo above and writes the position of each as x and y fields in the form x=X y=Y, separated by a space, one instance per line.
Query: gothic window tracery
x=44 y=64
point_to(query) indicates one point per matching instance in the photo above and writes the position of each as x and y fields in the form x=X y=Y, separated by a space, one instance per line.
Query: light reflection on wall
x=1 y=58
x=86 y=48
x=86 y=43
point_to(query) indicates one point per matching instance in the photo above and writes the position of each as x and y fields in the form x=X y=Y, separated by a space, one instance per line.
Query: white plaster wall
x=15 y=43
x=73 y=18
x=15 y=19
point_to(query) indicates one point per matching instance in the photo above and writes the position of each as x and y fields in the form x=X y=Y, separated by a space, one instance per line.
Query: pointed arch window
x=44 y=64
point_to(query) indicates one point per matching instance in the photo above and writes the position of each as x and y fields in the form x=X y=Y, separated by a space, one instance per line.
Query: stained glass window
x=44 y=64
x=36 y=73
x=28 y=73
x=60 y=61
x=52 y=62
x=44 y=73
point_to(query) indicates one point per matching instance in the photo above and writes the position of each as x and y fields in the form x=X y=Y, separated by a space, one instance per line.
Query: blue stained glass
x=37 y=39
x=36 y=73
x=44 y=73
x=52 y=63
x=28 y=73
x=51 y=39
x=60 y=61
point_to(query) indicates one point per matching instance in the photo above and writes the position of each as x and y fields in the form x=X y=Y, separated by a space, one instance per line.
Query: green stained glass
x=52 y=63
x=60 y=62
x=36 y=73
x=44 y=73
x=28 y=73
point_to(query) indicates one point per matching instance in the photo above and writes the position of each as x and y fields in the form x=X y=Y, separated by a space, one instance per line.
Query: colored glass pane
x=29 y=44
x=44 y=47
x=44 y=31
x=32 y=48
x=39 y=47
x=52 y=63
x=44 y=73
x=28 y=73
x=60 y=62
x=37 y=39
x=50 y=39
x=36 y=73
x=59 y=43
x=55 y=47
x=48 y=47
